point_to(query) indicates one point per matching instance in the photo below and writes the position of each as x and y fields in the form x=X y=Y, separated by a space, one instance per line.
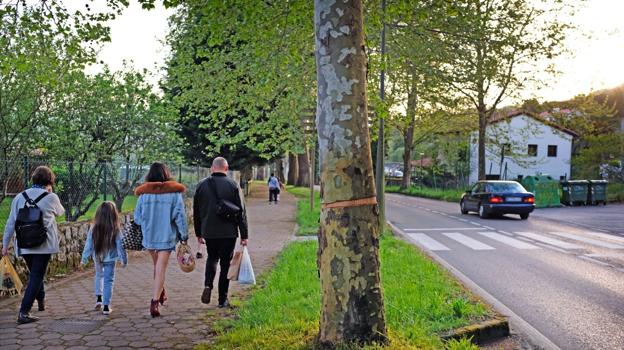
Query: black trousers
x=273 y=192
x=37 y=266
x=220 y=251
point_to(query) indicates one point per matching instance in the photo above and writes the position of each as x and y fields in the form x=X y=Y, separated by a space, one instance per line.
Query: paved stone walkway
x=70 y=323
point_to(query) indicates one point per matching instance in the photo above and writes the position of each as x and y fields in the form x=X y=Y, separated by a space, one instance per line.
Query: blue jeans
x=104 y=280
x=37 y=266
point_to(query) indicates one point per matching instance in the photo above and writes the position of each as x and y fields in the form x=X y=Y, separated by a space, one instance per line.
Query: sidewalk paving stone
x=71 y=323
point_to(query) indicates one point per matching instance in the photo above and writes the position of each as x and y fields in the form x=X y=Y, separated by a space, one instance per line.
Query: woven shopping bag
x=132 y=238
x=10 y=283
x=185 y=257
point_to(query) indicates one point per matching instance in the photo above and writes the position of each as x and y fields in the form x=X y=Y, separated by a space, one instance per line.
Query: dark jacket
x=207 y=224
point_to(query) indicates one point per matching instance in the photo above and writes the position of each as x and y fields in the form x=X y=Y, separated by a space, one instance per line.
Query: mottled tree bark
x=352 y=303
x=303 y=179
x=293 y=169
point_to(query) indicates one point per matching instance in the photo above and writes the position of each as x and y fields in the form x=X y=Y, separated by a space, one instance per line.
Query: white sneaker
x=98 y=306
x=107 y=310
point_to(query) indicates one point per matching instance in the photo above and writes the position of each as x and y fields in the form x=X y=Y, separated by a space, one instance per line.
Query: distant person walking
x=160 y=213
x=42 y=245
x=274 y=188
x=104 y=246
x=219 y=217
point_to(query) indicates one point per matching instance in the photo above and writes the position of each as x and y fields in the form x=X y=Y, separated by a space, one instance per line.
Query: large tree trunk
x=481 y=147
x=352 y=303
x=408 y=136
x=279 y=170
x=303 y=179
x=293 y=169
x=408 y=139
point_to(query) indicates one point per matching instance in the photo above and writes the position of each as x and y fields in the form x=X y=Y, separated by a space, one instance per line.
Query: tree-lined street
x=565 y=281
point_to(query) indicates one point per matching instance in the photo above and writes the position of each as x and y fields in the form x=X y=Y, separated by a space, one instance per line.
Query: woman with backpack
x=160 y=213
x=33 y=224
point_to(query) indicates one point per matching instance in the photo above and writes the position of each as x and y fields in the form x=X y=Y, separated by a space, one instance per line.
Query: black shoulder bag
x=226 y=210
x=29 y=228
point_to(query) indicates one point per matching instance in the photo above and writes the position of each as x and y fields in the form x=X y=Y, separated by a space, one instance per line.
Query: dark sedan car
x=498 y=198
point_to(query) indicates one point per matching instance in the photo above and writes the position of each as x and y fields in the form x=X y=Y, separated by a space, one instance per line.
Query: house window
x=552 y=150
x=532 y=151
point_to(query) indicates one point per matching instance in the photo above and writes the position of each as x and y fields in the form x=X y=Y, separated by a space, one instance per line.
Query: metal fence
x=81 y=186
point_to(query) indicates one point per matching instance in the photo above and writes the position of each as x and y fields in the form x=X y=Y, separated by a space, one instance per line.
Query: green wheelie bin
x=574 y=192
x=544 y=188
x=597 y=192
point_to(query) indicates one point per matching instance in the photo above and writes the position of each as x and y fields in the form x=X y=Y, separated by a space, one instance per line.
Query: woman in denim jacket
x=161 y=215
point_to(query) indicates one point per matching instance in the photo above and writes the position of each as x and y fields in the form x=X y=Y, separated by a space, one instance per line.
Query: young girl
x=104 y=246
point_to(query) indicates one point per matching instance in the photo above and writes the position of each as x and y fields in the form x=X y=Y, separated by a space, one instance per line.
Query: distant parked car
x=497 y=198
x=393 y=172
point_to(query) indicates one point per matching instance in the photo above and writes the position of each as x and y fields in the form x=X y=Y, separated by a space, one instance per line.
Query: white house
x=520 y=143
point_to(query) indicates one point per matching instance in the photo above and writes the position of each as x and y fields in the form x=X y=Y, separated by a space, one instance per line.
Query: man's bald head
x=219 y=165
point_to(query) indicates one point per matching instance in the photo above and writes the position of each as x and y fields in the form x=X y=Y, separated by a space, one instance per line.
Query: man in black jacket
x=219 y=234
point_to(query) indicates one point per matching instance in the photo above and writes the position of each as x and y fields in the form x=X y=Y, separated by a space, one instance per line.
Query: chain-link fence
x=81 y=186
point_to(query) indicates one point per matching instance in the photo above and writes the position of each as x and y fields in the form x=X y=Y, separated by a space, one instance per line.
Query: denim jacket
x=119 y=253
x=160 y=213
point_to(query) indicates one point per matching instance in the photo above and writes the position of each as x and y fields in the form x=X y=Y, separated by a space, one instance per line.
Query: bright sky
x=137 y=35
x=598 y=60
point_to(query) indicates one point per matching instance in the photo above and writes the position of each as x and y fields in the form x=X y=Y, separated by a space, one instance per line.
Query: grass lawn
x=308 y=220
x=449 y=195
x=615 y=192
x=5 y=209
x=421 y=300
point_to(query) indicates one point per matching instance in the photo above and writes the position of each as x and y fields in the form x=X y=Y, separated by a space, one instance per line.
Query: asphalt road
x=607 y=218
x=565 y=281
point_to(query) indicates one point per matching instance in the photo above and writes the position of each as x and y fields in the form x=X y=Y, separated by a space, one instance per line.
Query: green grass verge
x=449 y=195
x=421 y=300
x=308 y=220
x=615 y=192
x=5 y=209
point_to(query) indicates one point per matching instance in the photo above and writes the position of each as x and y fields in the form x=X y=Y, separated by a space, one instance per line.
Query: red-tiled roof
x=509 y=114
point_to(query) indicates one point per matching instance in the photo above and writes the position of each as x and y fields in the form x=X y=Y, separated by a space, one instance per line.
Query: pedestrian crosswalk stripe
x=588 y=240
x=548 y=240
x=606 y=236
x=427 y=241
x=467 y=241
x=508 y=240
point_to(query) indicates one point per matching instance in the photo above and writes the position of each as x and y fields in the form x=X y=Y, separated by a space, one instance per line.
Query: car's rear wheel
x=462 y=207
x=524 y=216
x=482 y=213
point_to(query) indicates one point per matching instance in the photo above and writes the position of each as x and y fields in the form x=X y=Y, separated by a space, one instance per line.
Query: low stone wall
x=72 y=239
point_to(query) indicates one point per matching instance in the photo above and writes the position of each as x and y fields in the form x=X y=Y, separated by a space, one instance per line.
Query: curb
x=482 y=332
x=535 y=337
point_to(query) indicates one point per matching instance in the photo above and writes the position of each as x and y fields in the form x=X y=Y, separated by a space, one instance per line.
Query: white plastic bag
x=246 y=273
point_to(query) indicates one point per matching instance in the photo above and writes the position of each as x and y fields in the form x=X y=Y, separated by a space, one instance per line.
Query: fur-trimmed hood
x=159 y=188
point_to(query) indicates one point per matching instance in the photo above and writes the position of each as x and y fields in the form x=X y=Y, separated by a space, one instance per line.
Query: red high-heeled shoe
x=154 y=308
x=163 y=297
